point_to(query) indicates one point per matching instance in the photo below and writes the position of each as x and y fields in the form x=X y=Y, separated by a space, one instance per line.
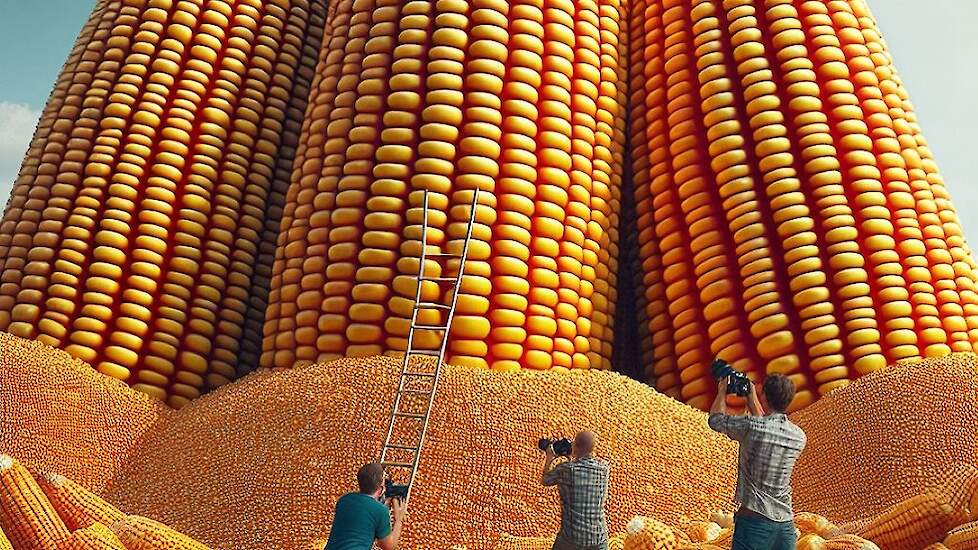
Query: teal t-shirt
x=359 y=520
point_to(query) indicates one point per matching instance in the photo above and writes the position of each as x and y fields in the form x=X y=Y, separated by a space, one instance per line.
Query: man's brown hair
x=370 y=477
x=779 y=390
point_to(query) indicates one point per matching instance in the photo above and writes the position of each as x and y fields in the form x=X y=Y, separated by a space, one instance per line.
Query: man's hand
x=722 y=385
x=753 y=403
x=398 y=508
x=550 y=452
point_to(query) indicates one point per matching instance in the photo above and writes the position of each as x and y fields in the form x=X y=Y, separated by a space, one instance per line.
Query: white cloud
x=17 y=124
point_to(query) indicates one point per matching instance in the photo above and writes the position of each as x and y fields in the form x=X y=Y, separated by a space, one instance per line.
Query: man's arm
x=753 y=403
x=720 y=402
x=551 y=474
x=734 y=427
x=390 y=541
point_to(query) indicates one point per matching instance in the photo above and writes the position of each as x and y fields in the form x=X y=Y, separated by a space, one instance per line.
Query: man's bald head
x=584 y=443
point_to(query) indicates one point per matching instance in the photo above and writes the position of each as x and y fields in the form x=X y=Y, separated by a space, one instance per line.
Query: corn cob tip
x=635 y=526
x=6 y=462
x=54 y=478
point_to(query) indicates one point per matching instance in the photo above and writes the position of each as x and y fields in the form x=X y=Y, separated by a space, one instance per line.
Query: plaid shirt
x=769 y=446
x=583 y=486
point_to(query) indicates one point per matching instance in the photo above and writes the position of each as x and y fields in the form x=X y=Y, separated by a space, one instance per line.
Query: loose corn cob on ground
x=645 y=533
x=914 y=523
x=963 y=537
x=78 y=507
x=94 y=537
x=139 y=234
x=790 y=215
x=140 y=533
x=35 y=524
x=26 y=516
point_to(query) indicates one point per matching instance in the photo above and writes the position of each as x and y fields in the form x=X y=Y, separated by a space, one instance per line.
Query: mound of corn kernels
x=885 y=437
x=261 y=462
x=59 y=414
x=286 y=444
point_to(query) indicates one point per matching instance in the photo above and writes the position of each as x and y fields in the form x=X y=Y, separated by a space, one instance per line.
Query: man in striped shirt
x=769 y=446
x=583 y=487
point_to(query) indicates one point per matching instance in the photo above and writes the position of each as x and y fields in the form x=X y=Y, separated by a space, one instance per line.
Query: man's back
x=583 y=486
x=360 y=519
x=769 y=447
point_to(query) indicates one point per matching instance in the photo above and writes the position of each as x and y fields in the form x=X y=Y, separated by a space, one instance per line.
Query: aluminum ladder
x=419 y=378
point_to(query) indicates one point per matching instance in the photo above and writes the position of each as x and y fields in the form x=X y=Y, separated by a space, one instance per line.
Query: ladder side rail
x=410 y=339
x=444 y=344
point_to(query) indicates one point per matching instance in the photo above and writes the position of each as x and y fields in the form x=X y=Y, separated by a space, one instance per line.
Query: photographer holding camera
x=361 y=518
x=583 y=485
x=769 y=446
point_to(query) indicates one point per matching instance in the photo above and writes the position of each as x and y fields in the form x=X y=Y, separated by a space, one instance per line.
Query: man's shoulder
x=782 y=420
x=360 y=500
x=592 y=462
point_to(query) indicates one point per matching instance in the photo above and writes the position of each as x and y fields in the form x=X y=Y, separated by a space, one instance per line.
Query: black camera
x=737 y=382
x=395 y=490
x=562 y=446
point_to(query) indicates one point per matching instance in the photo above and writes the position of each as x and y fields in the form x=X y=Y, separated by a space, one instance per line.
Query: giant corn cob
x=521 y=100
x=138 y=234
x=791 y=218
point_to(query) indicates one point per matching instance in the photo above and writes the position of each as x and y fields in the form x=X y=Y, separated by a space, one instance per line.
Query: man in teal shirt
x=361 y=518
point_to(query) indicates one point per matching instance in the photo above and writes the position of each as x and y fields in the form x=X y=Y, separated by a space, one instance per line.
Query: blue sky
x=934 y=43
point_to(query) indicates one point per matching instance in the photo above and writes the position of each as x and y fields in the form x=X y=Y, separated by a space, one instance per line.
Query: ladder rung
x=402 y=447
x=442 y=255
x=416 y=392
x=432 y=305
x=431 y=352
x=410 y=415
x=439 y=279
x=429 y=327
x=398 y=464
x=426 y=374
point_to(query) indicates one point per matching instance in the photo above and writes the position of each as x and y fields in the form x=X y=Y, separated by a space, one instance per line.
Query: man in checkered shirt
x=583 y=485
x=769 y=446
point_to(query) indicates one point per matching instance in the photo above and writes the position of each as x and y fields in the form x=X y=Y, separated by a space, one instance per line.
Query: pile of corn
x=288 y=443
x=283 y=441
x=886 y=437
x=47 y=511
x=140 y=234
x=59 y=415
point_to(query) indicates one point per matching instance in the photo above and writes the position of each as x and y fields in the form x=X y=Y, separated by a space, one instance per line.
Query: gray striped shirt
x=583 y=485
x=769 y=446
